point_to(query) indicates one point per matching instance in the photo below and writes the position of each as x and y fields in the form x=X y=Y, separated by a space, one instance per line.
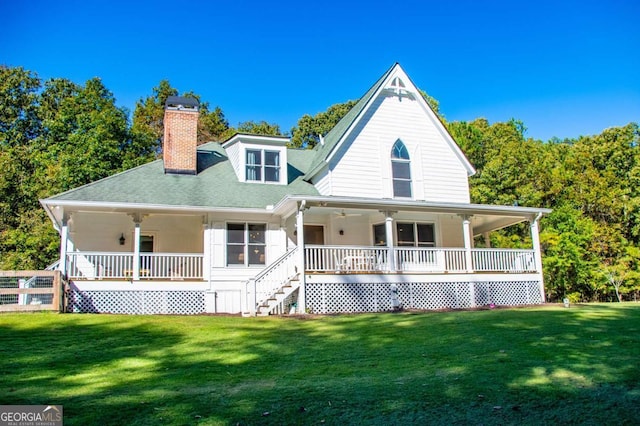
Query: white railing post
x=206 y=251
x=64 y=239
x=391 y=256
x=466 y=233
x=537 y=253
x=136 y=250
x=302 y=301
x=252 y=299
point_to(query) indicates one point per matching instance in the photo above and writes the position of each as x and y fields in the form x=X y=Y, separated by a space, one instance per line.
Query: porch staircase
x=266 y=293
x=275 y=303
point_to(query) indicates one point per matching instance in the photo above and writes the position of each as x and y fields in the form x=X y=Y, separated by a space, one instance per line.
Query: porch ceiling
x=484 y=217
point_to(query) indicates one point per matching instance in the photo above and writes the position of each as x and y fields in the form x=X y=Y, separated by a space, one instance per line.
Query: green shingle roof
x=216 y=184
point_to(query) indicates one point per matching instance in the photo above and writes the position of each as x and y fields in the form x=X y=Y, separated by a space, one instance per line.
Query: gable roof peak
x=396 y=79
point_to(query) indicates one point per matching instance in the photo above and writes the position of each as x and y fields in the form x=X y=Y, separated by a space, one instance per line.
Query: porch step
x=267 y=306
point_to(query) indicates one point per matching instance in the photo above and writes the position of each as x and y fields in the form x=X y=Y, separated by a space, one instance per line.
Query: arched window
x=401 y=170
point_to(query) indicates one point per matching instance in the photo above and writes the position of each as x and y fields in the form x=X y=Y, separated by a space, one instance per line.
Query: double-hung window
x=246 y=243
x=409 y=234
x=401 y=170
x=262 y=165
x=415 y=234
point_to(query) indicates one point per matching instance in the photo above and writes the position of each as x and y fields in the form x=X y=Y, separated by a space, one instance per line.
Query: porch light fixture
x=121 y=239
x=341 y=232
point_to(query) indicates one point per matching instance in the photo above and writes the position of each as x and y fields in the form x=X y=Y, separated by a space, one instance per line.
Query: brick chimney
x=180 y=135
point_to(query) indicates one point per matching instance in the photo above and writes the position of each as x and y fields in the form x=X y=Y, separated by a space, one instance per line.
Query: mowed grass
x=543 y=365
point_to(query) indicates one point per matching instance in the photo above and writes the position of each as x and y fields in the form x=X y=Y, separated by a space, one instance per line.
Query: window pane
x=379 y=235
x=256 y=254
x=235 y=254
x=146 y=243
x=254 y=157
x=405 y=234
x=254 y=167
x=401 y=170
x=402 y=188
x=426 y=236
x=399 y=151
x=254 y=173
x=256 y=233
x=235 y=233
x=271 y=174
x=271 y=158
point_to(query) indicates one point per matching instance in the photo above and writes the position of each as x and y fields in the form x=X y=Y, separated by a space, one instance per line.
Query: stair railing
x=271 y=279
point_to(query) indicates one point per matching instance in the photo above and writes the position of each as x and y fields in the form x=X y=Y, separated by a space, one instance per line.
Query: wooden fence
x=25 y=291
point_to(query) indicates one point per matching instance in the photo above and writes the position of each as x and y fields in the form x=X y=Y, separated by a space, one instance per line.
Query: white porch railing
x=118 y=265
x=270 y=280
x=503 y=260
x=345 y=258
x=357 y=259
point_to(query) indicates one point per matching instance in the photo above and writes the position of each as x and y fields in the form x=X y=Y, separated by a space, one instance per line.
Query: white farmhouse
x=375 y=216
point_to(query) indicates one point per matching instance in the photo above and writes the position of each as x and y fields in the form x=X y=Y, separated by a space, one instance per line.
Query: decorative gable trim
x=396 y=80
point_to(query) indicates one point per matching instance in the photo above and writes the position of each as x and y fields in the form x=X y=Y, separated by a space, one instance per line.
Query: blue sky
x=564 y=68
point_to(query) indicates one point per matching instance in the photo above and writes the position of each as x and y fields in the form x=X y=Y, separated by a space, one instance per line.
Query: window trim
x=396 y=234
x=416 y=241
x=262 y=165
x=400 y=156
x=246 y=244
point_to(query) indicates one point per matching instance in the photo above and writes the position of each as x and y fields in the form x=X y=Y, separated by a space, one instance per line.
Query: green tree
x=19 y=123
x=19 y=126
x=213 y=125
x=433 y=103
x=259 y=128
x=83 y=137
x=306 y=134
x=148 y=128
x=569 y=263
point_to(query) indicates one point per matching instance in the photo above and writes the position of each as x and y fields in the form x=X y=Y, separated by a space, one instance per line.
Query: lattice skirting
x=137 y=302
x=328 y=298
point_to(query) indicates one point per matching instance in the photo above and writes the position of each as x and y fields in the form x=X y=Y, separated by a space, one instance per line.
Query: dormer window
x=401 y=170
x=258 y=158
x=263 y=165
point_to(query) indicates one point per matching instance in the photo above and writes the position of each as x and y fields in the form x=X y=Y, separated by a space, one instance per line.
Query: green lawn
x=505 y=366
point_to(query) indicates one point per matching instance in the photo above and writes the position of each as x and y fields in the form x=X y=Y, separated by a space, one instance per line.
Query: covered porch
x=353 y=252
x=347 y=236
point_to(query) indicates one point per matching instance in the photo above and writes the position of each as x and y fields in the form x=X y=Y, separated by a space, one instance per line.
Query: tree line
x=56 y=135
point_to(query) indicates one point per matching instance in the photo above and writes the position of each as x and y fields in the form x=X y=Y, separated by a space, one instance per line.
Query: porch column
x=388 y=227
x=136 y=247
x=487 y=240
x=206 y=251
x=64 y=240
x=537 y=252
x=466 y=234
x=302 y=297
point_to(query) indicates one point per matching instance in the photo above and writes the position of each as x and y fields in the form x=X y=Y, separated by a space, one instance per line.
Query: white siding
x=323 y=182
x=276 y=245
x=233 y=152
x=362 y=166
x=171 y=234
x=451 y=231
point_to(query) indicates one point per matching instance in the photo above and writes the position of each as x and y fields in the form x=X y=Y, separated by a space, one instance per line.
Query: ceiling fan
x=342 y=215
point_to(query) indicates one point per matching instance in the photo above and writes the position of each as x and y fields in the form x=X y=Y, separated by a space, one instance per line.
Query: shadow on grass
x=530 y=366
